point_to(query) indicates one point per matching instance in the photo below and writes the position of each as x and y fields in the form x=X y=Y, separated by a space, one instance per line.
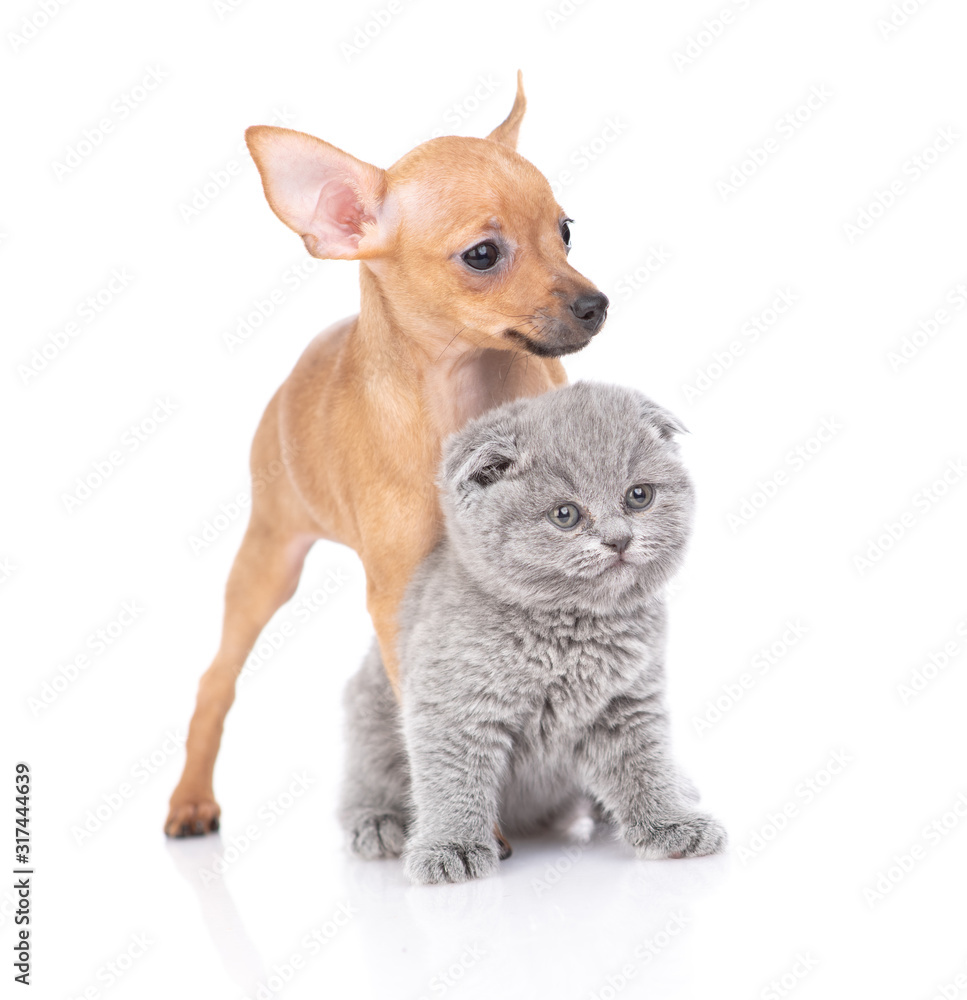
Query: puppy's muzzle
x=585 y=316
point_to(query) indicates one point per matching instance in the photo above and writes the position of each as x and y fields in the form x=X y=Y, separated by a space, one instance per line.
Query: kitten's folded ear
x=477 y=457
x=665 y=422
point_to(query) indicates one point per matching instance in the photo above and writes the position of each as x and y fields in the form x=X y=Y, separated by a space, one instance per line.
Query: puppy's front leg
x=629 y=769
x=457 y=764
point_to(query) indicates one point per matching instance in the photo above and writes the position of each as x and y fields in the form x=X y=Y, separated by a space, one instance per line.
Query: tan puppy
x=467 y=300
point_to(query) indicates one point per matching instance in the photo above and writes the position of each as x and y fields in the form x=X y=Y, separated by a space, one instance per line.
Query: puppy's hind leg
x=375 y=792
x=264 y=576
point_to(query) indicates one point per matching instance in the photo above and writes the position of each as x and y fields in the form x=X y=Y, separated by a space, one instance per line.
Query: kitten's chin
x=619 y=587
x=626 y=582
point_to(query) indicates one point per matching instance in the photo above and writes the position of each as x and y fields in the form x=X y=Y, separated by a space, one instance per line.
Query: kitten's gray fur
x=532 y=671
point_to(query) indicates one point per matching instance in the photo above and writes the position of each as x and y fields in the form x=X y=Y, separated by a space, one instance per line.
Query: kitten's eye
x=565 y=516
x=482 y=257
x=566 y=233
x=639 y=497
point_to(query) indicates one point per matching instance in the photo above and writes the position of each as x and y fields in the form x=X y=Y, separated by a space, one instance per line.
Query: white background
x=795 y=902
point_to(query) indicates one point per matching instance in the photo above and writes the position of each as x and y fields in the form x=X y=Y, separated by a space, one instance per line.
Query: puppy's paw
x=192 y=816
x=376 y=835
x=459 y=861
x=690 y=835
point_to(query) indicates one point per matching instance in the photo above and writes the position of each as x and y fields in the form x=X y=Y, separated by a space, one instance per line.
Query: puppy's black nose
x=591 y=310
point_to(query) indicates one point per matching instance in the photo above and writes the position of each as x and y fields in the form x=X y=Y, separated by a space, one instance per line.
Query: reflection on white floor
x=579 y=919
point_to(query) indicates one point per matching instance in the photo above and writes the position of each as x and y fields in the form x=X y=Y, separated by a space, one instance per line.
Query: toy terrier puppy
x=467 y=300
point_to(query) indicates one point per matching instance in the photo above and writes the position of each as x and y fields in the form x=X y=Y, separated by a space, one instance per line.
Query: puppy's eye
x=482 y=257
x=564 y=516
x=566 y=233
x=639 y=497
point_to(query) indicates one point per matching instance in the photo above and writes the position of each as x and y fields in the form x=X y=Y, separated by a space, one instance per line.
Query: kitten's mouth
x=617 y=561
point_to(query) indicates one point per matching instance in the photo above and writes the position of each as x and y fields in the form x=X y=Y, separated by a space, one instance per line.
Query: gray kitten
x=531 y=645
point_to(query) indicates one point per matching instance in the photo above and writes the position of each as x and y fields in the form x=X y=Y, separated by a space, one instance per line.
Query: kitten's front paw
x=377 y=835
x=431 y=864
x=691 y=835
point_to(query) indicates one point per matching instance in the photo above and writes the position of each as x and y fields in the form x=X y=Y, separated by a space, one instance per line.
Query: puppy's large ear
x=506 y=132
x=331 y=199
x=477 y=456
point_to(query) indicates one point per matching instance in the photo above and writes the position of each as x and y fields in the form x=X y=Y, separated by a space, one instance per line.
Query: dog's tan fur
x=359 y=422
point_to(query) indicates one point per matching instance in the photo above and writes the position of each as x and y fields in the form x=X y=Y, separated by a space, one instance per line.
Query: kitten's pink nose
x=618 y=544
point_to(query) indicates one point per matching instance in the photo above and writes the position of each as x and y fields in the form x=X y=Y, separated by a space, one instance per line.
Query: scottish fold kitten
x=531 y=645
